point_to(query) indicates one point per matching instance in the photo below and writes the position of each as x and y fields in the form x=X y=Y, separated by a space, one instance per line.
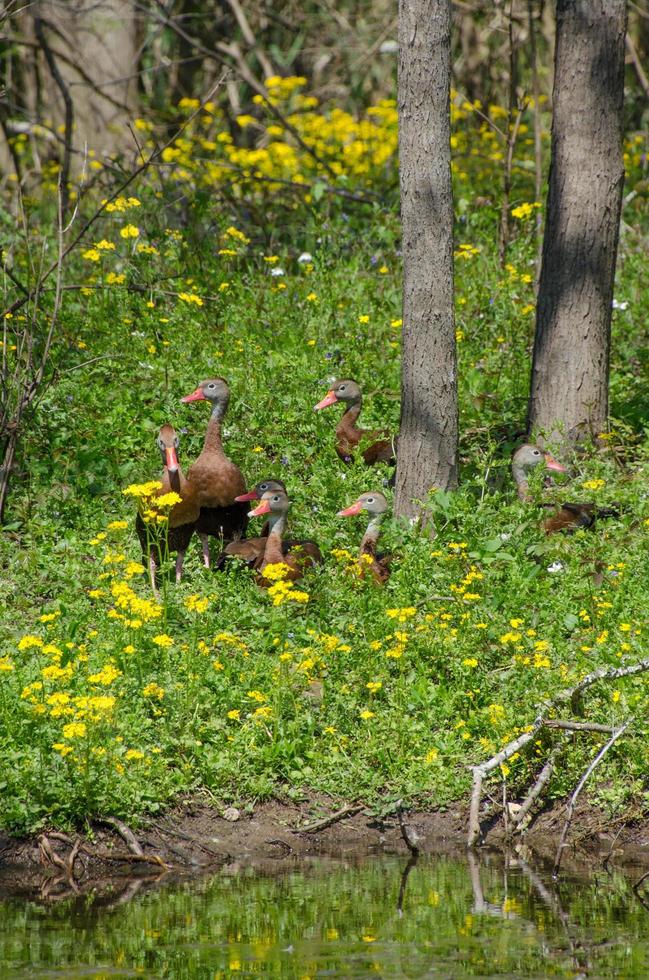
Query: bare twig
x=580 y=785
x=159 y=150
x=342 y=814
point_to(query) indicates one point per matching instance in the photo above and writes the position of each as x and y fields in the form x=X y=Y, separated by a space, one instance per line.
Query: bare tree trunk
x=569 y=394
x=97 y=73
x=427 y=451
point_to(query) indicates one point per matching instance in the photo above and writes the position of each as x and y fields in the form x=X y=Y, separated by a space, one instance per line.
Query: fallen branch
x=580 y=785
x=311 y=828
x=572 y=695
x=578 y=726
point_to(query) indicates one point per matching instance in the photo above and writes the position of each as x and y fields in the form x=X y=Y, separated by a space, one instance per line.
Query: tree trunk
x=427 y=450
x=569 y=393
x=98 y=39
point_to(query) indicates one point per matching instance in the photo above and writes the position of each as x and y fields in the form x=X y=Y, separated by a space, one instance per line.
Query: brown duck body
x=349 y=435
x=379 y=566
x=572 y=517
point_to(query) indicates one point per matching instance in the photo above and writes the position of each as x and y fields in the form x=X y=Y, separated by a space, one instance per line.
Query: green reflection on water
x=339 y=919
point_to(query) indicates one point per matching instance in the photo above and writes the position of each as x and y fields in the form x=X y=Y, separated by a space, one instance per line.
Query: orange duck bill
x=352 y=510
x=552 y=464
x=251 y=495
x=264 y=508
x=171 y=459
x=329 y=399
x=196 y=396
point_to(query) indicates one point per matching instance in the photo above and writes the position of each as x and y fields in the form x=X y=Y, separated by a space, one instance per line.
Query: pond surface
x=379 y=917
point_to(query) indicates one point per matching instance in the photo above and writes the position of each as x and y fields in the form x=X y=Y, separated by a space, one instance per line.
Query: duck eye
x=369 y=500
x=212 y=385
x=536 y=452
x=263 y=487
x=342 y=387
x=275 y=499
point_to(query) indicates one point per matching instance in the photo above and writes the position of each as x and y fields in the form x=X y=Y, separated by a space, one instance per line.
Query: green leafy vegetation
x=113 y=703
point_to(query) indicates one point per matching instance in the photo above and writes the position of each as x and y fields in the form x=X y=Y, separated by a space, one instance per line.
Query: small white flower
x=305 y=257
x=620 y=306
x=505 y=536
x=276 y=271
x=389 y=47
x=556 y=566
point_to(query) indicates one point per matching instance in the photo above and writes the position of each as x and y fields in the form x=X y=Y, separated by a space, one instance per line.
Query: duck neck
x=371 y=536
x=273 y=551
x=522 y=486
x=347 y=425
x=213 y=442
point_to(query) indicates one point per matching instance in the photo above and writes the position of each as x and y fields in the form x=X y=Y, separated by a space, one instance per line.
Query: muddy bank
x=197 y=838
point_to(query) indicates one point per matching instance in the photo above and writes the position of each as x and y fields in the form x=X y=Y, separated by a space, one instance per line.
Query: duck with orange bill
x=162 y=532
x=217 y=480
x=525 y=459
x=298 y=557
x=569 y=517
x=348 y=433
x=250 y=550
x=370 y=563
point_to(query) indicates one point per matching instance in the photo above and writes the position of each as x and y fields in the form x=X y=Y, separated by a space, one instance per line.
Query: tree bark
x=569 y=391
x=427 y=449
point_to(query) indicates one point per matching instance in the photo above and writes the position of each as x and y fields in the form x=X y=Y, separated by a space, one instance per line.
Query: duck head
x=274 y=502
x=347 y=391
x=373 y=502
x=260 y=489
x=214 y=390
x=168 y=442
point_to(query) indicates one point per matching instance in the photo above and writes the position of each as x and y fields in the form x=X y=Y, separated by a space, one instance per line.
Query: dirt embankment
x=197 y=838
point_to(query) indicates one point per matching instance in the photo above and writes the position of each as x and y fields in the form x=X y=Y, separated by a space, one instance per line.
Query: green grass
x=456 y=678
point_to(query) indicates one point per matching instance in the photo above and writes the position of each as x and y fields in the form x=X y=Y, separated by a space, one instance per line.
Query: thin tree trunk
x=427 y=450
x=569 y=393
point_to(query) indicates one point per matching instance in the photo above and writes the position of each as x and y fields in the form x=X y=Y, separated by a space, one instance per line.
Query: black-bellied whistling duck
x=348 y=434
x=525 y=459
x=570 y=516
x=216 y=479
x=369 y=562
x=251 y=549
x=174 y=535
x=298 y=557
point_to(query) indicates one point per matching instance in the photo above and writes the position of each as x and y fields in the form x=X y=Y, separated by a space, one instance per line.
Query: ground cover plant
x=277 y=267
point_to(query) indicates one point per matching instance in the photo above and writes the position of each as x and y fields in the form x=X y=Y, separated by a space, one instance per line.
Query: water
x=380 y=917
